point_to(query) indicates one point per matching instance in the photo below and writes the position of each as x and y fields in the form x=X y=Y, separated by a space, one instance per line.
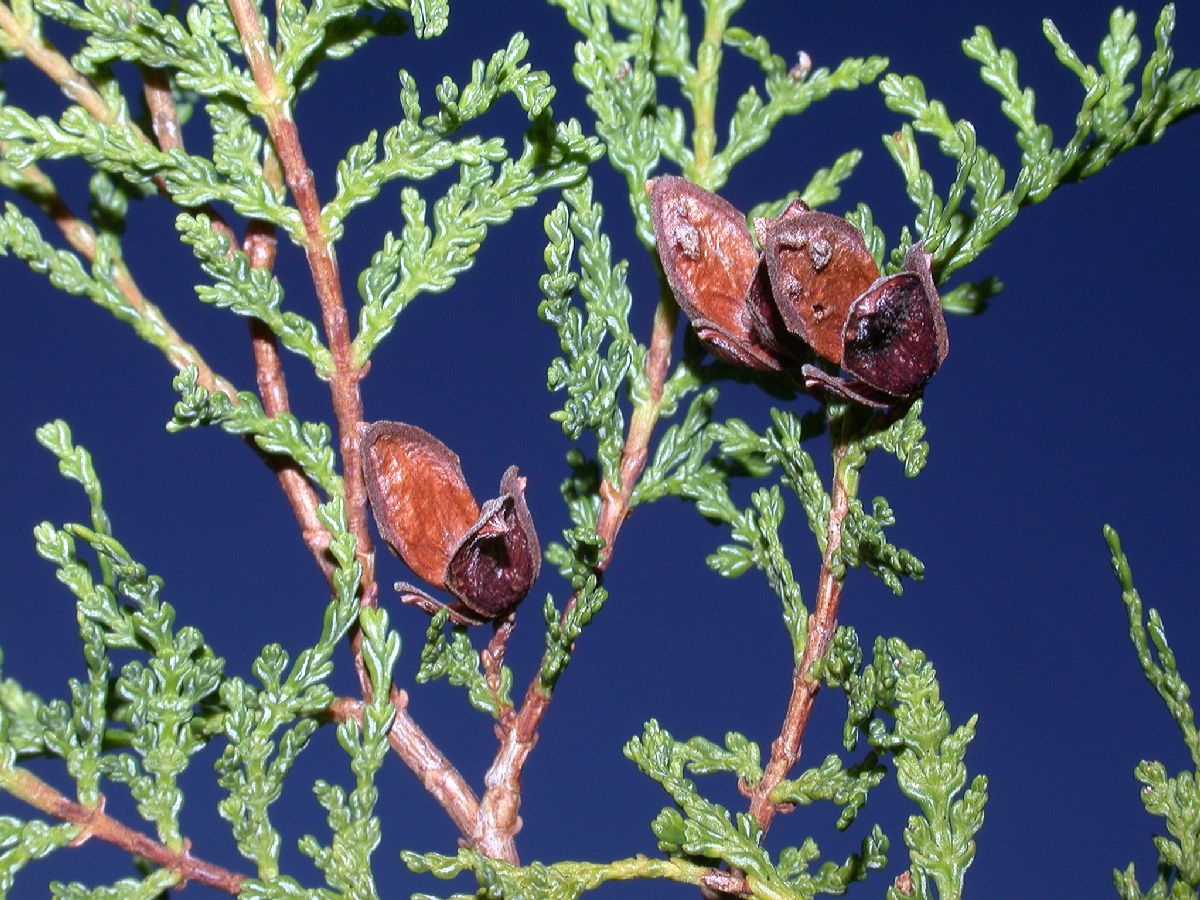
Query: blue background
x=1068 y=404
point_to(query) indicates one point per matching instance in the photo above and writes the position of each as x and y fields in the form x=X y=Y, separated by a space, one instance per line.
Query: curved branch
x=82 y=238
x=73 y=84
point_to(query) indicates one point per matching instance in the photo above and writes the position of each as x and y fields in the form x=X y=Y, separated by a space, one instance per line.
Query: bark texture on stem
x=164 y=117
x=499 y=818
x=427 y=762
x=259 y=245
x=418 y=752
x=95 y=823
x=298 y=490
x=413 y=746
x=785 y=749
x=347 y=399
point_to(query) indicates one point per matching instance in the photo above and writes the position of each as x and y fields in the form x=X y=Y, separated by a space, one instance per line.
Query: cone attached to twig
x=486 y=558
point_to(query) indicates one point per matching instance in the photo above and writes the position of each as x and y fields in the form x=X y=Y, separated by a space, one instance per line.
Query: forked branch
x=409 y=741
x=499 y=821
x=259 y=245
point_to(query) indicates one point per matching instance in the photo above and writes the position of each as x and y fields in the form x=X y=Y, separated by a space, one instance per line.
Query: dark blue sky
x=1067 y=405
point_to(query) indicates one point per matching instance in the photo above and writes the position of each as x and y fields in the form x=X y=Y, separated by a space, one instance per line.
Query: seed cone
x=486 y=558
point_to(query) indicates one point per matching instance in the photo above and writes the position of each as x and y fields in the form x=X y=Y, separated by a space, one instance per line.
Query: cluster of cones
x=814 y=288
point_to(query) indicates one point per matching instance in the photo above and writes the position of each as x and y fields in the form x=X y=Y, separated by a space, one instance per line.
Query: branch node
x=724 y=882
x=87 y=829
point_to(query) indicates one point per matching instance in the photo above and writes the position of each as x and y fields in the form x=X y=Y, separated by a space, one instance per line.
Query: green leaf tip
x=456 y=660
x=955 y=230
x=1175 y=799
x=929 y=756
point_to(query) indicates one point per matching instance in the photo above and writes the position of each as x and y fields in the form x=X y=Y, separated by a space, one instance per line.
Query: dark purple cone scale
x=895 y=336
x=497 y=561
x=486 y=558
x=814 y=288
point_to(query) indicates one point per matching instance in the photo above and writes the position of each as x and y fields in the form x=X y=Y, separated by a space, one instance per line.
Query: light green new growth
x=641 y=428
x=591 y=374
x=699 y=829
x=928 y=756
x=1175 y=799
x=251 y=292
x=346 y=860
x=1104 y=127
x=151 y=707
x=458 y=662
x=305 y=443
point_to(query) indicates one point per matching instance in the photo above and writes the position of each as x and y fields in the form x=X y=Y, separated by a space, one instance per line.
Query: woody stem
x=498 y=819
x=785 y=749
x=93 y=822
x=440 y=778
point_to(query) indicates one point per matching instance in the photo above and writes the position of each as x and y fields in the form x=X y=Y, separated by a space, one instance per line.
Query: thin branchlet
x=785 y=749
x=94 y=822
x=259 y=244
x=407 y=738
x=658 y=452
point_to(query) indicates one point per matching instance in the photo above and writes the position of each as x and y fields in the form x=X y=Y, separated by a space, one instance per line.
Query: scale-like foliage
x=116 y=148
x=154 y=693
x=592 y=377
x=1173 y=798
x=1104 y=127
x=249 y=291
x=306 y=443
x=154 y=699
x=929 y=759
x=425 y=259
x=419 y=147
x=459 y=663
x=698 y=829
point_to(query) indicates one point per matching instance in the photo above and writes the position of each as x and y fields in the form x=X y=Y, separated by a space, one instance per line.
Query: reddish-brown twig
x=410 y=742
x=164 y=116
x=74 y=85
x=499 y=821
x=95 y=823
x=347 y=399
x=38 y=51
x=491 y=659
x=419 y=753
x=344 y=389
x=427 y=762
x=259 y=246
x=80 y=235
x=518 y=730
x=785 y=749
